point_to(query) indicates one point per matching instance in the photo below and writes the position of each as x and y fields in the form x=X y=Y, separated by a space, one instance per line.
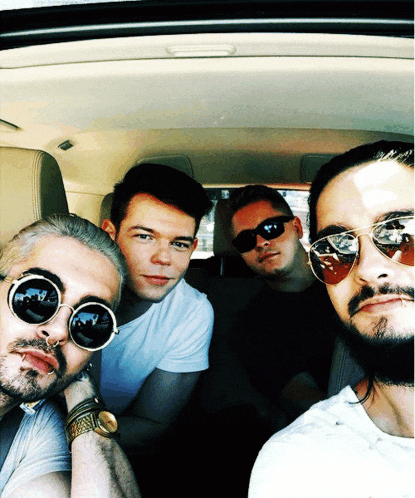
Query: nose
x=371 y=266
x=162 y=255
x=261 y=242
x=55 y=332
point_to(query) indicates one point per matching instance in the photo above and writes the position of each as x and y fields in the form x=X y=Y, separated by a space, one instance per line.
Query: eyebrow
x=186 y=238
x=59 y=284
x=47 y=274
x=93 y=299
x=337 y=228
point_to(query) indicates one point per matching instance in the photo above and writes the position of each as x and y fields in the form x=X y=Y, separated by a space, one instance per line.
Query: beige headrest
x=105 y=211
x=31 y=188
x=222 y=245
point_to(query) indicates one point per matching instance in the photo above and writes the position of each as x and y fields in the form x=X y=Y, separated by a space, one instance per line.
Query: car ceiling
x=241 y=107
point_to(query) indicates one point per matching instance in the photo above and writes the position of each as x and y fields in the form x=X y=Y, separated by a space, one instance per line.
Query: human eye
x=144 y=237
x=181 y=246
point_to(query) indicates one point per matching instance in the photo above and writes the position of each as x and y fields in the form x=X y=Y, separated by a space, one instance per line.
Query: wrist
x=80 y=389
x=90 y=415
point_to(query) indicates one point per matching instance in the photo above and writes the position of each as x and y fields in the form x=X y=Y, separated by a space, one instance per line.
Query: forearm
x=100 y=468
x=139 y=433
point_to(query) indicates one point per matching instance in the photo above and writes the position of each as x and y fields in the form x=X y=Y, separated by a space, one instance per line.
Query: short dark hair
x=167 y=184
x=249 y=194
x=402 y=152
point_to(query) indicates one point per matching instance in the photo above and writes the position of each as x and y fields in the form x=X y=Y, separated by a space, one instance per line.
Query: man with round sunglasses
x=60 y=280
x=360 y=442
x=281 y=337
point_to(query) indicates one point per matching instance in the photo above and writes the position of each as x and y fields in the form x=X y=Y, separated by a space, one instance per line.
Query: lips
x=383 y=303
x=157 y=279
x=41 y=361
x=267 y=255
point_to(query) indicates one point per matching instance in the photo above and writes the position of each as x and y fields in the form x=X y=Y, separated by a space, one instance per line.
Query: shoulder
x=188 y=299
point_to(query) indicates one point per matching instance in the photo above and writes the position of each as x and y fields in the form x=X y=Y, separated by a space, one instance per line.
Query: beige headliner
x=242 y=107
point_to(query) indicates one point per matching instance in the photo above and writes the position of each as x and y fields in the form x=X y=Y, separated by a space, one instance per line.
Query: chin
x=394 y=325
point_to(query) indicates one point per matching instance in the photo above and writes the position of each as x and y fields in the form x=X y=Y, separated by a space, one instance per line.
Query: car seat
x=31 y=188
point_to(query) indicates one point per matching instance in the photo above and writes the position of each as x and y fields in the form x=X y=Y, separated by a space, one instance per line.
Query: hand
x=81 y=388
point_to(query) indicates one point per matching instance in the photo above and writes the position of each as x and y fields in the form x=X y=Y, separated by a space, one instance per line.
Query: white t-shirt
x=173 y=335
x=334 y=450
x=38 y=448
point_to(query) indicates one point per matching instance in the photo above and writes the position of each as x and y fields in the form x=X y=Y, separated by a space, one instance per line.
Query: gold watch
x=92 y=416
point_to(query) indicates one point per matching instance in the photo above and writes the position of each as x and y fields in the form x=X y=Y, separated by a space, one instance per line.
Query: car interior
x=232 y=93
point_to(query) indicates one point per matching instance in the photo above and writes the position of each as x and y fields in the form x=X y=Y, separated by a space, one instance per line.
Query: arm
x=100 y=468
x=156 y=407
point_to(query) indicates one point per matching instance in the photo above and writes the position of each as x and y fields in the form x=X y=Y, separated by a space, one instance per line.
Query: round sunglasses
x=332 y=258
x=268 y=229
x=35 y=299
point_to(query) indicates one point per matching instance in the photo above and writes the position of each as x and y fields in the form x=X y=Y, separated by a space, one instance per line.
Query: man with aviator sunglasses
x=60 y=278
x=362 y=439
x=281 y=337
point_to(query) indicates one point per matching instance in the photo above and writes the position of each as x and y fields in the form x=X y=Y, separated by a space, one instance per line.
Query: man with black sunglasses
x=281 y=338
x=360 y=442
x=60 y=279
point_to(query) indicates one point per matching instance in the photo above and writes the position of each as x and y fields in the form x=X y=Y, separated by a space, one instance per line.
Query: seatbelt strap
x=9 y=425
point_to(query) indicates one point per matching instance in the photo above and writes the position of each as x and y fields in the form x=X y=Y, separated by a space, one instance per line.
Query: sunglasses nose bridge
x=57 y=328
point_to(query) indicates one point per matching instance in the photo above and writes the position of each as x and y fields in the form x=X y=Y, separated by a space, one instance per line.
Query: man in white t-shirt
x=150 y=370
x=360 y=442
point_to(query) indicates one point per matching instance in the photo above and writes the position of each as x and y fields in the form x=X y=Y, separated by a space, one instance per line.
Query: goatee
x=387 y=357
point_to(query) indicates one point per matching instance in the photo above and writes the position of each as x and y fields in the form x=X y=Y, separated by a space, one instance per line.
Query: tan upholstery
x=222 y=245
x=105 y=211
x=31 y=187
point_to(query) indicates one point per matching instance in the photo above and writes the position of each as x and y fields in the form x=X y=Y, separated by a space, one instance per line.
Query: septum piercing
x=51 y=345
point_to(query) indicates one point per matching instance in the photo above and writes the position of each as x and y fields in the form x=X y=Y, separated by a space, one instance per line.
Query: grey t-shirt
x=38 y=448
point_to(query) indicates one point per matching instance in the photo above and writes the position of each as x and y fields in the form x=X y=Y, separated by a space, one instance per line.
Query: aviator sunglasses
x=268 y=229
x=332 y=257
x=36 y=300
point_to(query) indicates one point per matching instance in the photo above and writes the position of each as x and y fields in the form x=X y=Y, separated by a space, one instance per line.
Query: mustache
x=367 y=292
x=42 y=346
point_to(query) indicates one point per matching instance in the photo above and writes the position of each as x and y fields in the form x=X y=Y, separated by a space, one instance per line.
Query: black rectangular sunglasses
x=269 y=229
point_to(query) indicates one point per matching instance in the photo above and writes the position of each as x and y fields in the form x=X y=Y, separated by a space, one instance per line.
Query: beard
x=25 y=387
x=388 y=355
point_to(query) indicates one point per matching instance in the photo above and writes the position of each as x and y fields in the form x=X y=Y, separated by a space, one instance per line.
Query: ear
x=298 y=227
x=196 y=241
x=108 y=226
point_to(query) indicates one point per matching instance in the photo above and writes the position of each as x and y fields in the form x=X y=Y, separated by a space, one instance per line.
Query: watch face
x=107 y=422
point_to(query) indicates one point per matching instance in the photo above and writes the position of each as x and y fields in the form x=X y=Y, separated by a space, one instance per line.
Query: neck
x=391 y=408
x=297 y=279
x=130 y=307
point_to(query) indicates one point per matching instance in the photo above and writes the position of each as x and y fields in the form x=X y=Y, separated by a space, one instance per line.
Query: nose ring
x=51 y=345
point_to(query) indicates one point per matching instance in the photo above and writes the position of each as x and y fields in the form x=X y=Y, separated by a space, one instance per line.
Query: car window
x=297 y=200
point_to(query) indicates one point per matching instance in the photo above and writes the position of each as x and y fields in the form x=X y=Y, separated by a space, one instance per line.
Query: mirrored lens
x=246 y=240
x=91 y=326
x=332 y=258
x=395 y=239
x=35 y=301
x=271 y=230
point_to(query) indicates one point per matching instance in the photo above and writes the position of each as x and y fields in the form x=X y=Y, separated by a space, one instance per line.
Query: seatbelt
x=9 y=425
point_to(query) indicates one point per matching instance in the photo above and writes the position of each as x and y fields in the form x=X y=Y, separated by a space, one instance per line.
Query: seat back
x=344 y=370
x=227 y=257
x=31 y=188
